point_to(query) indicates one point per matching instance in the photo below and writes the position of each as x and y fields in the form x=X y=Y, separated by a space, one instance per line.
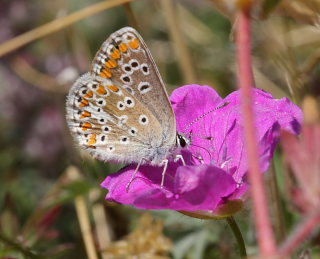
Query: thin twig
x=245 y=76
x=57 y=25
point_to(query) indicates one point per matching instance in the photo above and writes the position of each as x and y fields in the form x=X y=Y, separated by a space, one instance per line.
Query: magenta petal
x=218 y=136
x=147 y=180
x=191 y=101
x=208 y=187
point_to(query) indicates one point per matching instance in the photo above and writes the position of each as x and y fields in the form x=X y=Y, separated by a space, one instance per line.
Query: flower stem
x=237 y=234
x=245 y=76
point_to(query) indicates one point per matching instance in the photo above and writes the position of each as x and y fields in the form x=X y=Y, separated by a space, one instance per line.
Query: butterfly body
x=120 y=111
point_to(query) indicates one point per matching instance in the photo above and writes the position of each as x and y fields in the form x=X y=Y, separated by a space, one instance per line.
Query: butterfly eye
x=181 y=141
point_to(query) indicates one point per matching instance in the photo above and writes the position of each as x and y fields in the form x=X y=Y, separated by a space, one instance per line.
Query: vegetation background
x=51 y=205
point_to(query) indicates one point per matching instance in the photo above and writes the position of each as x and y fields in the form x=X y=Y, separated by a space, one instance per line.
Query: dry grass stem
x=183 y=55
x=83 y=217
x=103 y=228
x=36 y=78
x=57 y=25
x=130 y=15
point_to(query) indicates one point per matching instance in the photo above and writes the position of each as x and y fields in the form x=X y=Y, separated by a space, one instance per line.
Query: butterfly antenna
x=203 y=115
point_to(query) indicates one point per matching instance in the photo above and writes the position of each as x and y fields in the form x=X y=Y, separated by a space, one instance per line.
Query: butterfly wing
x=120 y=110
x=109 y=122
x=126 y=60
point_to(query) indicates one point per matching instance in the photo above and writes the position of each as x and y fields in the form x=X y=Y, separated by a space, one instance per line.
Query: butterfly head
x=182 y=141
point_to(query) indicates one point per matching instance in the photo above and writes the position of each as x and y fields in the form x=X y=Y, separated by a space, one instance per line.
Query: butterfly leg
x=180 y=157
x=165 y=166
x=134 y=174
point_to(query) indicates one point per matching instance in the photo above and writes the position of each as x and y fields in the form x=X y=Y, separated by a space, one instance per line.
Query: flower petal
x=217 y=136
x=207 y=189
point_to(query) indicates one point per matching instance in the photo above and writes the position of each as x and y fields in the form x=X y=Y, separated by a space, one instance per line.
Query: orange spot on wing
x=113 y=88
x=86 y=126
x=89 y=94
x=134 y=44
x=101 y=90
x=111 y=63
x=123 y=47
x=116 y=54
x=105 y=73
x=85 y=114
x=84 y=103
x=92 y=139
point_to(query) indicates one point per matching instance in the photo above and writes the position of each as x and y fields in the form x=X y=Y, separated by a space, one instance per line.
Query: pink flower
x=207 y=184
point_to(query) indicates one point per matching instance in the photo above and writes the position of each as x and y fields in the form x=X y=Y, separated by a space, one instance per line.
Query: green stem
x=237 y=234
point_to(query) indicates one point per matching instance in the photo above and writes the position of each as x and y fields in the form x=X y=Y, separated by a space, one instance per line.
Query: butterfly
x=120 y=111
